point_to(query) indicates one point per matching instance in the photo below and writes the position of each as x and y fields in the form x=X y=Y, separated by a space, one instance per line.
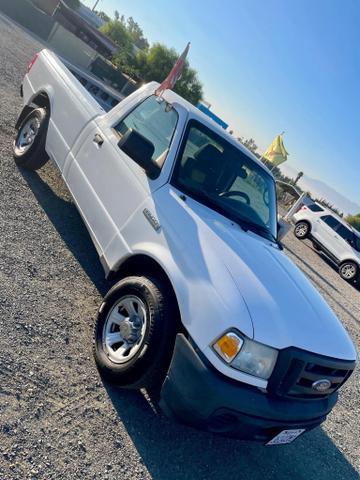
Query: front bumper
x=196 y=394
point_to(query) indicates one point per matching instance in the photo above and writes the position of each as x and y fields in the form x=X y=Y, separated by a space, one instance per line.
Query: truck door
x=107 y=184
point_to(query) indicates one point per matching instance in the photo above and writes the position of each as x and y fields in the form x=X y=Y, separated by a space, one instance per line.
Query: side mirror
x=141 y=150
x=283 y=228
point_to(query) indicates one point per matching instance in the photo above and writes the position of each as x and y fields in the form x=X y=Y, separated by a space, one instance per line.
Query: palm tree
x=299 y=175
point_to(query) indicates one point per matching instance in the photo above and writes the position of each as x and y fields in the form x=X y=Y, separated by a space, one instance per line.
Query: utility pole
x=97 y=1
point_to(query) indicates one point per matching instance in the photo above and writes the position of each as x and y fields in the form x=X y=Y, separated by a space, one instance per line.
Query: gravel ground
x=57 y=418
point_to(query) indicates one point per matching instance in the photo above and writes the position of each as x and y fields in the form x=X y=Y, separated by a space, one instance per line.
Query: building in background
x=87 y=32
x=90 y=16
x=47 y=6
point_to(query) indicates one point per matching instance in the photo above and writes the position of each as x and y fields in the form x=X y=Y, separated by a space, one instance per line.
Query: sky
x=269 y=66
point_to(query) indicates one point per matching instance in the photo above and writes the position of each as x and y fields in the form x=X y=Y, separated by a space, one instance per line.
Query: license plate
x=286 y=436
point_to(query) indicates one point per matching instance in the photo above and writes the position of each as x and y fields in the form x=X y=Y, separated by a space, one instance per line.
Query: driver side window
x=155 y=120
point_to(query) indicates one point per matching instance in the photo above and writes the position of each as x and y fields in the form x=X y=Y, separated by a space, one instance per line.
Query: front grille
x=297 y=370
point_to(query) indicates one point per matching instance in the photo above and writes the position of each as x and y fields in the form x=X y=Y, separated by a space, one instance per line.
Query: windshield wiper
x=255 y=227
x=243 y=223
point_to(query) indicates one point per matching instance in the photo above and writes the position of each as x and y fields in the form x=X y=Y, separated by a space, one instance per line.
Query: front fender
x=208 y=299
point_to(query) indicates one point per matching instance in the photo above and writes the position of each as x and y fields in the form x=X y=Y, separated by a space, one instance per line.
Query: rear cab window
x=155 y=120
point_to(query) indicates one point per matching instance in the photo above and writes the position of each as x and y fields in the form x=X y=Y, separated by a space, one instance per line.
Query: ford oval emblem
x=321 y=385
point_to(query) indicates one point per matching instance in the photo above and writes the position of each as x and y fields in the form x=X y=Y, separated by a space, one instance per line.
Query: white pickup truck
x=206 y=306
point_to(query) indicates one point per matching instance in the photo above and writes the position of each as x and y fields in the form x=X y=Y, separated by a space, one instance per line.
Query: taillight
x=36 y=56
x=304 y=207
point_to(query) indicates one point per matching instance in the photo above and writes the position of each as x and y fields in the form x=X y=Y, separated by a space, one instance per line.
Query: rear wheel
x=302 y=230
x=135 y=333
x=29 y=143
x=348 y=271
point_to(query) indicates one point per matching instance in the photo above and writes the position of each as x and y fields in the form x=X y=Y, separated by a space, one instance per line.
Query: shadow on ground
x=170 y=450
x=70 y=226
x=355 y=284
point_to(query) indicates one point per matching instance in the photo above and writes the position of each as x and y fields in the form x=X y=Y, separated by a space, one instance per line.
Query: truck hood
x=285 y=308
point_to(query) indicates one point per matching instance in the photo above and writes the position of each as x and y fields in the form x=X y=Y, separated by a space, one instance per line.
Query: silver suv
x=331 y=235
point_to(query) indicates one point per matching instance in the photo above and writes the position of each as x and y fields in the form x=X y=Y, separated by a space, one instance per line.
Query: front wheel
x=348 y=271
x=29 y=143
x=135 y=333
x=302 y=230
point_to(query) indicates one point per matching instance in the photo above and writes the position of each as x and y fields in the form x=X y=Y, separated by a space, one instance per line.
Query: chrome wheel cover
x=124 y=329
x=26 y=135
x=301 y=230
x=348 y=271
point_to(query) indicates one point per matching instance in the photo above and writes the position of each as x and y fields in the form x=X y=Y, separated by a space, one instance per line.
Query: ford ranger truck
x=205 y=305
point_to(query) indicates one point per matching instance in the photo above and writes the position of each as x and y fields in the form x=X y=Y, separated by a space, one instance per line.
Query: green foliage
x=325 y=203
x=149 y=64
x=117 y=32
x=135 y=32
x=103 y=16
x=156 y=63
x=354 y=220
x=74 y=4
x=249 y=143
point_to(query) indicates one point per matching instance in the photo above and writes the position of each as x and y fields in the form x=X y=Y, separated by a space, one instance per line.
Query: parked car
x=331 y=235
x=206 y=307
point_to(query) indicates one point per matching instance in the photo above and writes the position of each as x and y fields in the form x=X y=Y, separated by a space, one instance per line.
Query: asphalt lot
x=57 y=418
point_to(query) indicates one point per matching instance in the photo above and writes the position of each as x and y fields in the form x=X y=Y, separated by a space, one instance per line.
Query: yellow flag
x=276 y=153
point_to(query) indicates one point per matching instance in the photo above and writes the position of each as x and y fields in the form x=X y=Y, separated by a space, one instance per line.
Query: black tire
x=302 y=230
x=148 y=366
x=349 y=271
x=34 y=156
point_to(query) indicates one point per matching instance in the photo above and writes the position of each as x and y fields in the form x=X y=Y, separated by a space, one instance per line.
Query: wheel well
x=145 y=265
x=41 y=100
x=349 y=261
x=304 y=221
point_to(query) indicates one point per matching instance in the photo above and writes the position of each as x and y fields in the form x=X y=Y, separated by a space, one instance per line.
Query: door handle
x=98 y=139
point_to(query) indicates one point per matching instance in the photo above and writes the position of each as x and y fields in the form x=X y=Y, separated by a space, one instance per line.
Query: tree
x=354 y=220
x=74 y=4
x=298 y=176
x=330 y=206
x=117 y=32
x=156 y=63
x=103 y=16
x=248 y=143
x=116 y=15
x=136 y=33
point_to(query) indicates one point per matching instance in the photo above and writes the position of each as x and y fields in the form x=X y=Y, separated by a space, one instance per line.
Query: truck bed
x=106 y=96
x=75 y=99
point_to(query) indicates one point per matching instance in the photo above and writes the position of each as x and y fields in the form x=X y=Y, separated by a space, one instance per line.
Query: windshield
x=219 y=175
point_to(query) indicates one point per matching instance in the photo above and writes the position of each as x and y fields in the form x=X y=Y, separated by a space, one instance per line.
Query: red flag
x=175 y=73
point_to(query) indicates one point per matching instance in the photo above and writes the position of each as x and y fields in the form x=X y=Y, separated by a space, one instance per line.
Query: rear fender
x=25 y=111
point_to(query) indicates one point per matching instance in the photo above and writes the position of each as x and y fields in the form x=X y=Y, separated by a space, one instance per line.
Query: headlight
x=246 y=355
